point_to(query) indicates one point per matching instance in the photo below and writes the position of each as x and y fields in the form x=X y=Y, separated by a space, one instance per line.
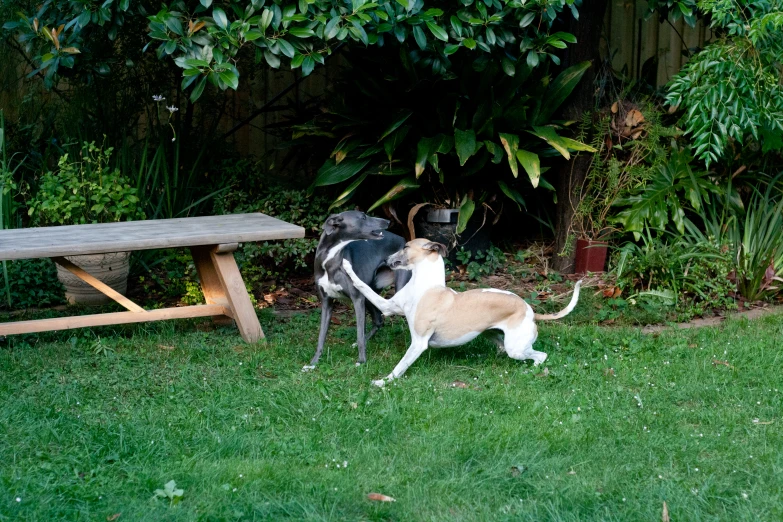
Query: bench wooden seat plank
x=212 y=241
x=72 y=240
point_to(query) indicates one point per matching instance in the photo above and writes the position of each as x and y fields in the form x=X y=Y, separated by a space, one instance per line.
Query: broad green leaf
x=465 y=213
x=456 y=24
x=198 y=89
x=531 y=164
x=230 y=78
x=272 y=59
x=196 y=63
x=424 y=150
x=286 y=48
x=549 y=135
x=301 y=32
x=577 y=145
x=508 y=66
x=560 y=88
x=465 y=143
x=527 y=19
x=400 y=189
x=220 y=18
x=331 y=29
x=331 y=173
x=266 y=18
x=349 y=191
x=438 y=31
x=420 y=37
x=511 y=144
x=308 y=64
x=395 y=124
x=393 y=141
x=512 y=194
x=470 y=43
x=532 y=59
x=253 y=35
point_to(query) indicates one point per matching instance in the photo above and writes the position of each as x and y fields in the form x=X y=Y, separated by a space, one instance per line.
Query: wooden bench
x=211 y=240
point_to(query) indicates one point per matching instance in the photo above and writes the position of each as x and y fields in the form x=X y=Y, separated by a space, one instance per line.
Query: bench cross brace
x=221 y=282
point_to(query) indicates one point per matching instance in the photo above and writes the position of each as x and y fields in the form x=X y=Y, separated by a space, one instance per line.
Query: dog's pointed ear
x=436 y=247
x=332 y=224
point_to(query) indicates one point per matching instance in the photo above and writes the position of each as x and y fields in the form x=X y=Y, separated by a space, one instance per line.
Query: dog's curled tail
x=565 y=311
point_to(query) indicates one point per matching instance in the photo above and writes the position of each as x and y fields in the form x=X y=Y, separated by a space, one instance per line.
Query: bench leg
x=222 y=284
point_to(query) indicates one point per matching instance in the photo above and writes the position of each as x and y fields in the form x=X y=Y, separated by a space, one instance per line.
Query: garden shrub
x=691 y=277
x=276 y=258
x=33 y=284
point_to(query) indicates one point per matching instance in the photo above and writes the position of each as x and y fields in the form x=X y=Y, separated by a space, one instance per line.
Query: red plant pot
x=590 y=256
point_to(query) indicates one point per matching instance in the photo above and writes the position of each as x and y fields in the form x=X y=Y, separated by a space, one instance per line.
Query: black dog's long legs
x=327 y=303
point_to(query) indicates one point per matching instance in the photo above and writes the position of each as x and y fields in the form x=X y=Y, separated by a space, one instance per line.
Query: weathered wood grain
x=82 y=321
x=233 y=287
x=101 y=238
x=98 y=285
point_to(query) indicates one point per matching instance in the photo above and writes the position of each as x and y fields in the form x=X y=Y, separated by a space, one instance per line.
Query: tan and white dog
x=440 y=317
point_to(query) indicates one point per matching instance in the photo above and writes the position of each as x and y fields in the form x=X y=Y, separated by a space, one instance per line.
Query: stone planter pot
x=111 y=269
x=440 y=225
x=590 y=256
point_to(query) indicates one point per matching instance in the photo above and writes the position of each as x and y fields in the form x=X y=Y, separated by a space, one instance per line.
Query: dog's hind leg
x=519 y=343
x=327 y=303
x=359 y=306
x=377 y=320
x=497 y=337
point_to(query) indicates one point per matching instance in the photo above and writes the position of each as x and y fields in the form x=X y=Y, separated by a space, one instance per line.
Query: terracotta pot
x=590 y=256
x=111 y=269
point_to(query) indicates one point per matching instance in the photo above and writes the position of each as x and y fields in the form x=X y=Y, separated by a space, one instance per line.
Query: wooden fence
x=638 y=46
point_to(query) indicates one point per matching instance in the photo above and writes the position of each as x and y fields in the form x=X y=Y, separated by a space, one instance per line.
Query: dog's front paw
x=308 y=368
x=379 y=383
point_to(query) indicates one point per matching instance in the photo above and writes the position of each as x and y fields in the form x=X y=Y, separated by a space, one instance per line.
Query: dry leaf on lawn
x=458 y=384
x=381 y=498
x=665 y=513
x=112 y=518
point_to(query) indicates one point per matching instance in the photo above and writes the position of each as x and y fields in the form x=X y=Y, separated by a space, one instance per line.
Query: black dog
x=361 y=239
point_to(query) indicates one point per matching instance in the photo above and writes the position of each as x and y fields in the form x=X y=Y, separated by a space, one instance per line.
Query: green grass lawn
x=621 y=423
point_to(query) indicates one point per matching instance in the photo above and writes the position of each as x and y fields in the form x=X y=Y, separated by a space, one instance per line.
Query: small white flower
x=158 y=98
x=696 y=469
x=744 y=495
x=172 y=109
x=345 y=463
x=18 y=499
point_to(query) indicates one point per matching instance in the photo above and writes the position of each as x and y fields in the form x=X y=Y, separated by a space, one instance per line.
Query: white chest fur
x=331 y=289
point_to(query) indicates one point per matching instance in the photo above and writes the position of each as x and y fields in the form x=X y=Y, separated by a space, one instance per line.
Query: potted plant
x=623 y=147
x=87 y=191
